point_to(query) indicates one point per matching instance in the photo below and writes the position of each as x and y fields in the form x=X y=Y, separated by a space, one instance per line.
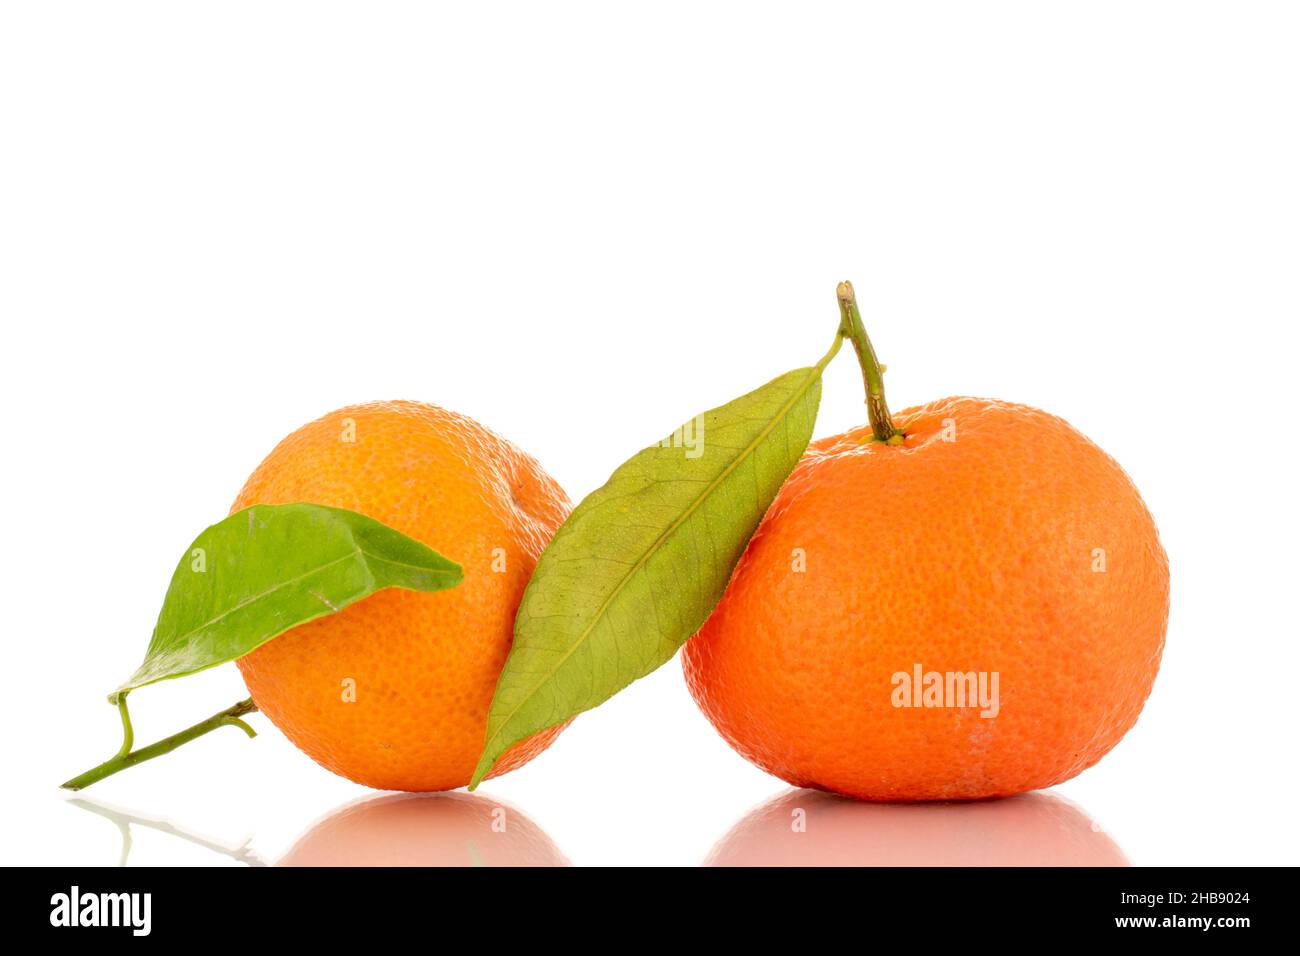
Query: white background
x=581 y=224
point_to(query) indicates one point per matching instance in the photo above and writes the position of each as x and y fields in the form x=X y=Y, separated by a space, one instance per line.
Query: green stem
x=128 y=735
x=128 y=758
x=851 y=327
x=826 y=359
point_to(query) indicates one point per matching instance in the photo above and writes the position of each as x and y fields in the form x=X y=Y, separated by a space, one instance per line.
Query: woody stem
x=851 y=327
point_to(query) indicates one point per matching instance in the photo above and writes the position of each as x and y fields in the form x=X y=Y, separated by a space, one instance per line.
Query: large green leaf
x=269 y=568
x=641 y=562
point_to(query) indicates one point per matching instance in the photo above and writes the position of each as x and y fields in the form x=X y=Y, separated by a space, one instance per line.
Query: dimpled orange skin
x=975 y=554
x=424 y=666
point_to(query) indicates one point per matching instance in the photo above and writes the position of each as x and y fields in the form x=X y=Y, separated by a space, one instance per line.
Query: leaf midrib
x=816 y=372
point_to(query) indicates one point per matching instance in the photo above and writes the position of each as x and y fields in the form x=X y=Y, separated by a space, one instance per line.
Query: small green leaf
x=642 y=561
x=269 y=568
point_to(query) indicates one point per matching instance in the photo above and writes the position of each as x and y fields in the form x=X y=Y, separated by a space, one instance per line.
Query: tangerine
x=986 y=544
x=393 y=691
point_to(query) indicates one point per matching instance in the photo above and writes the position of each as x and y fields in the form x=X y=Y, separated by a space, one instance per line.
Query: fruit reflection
x=442 y=829
x=813 y=828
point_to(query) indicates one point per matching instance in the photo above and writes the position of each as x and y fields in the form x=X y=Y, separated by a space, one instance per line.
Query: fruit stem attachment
x=126 y=757
x=128 y=734
x=851 y=328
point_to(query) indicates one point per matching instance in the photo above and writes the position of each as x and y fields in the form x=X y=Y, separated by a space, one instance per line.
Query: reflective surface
x=414 y=829
x=812 y=828
x=403 y=829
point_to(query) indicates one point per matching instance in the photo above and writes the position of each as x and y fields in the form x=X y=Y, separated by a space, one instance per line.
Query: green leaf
x=642 y=562
x=269 y=568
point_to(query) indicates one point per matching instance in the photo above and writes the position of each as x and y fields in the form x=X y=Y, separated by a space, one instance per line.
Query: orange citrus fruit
x=393 y=691
x=991 y=542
